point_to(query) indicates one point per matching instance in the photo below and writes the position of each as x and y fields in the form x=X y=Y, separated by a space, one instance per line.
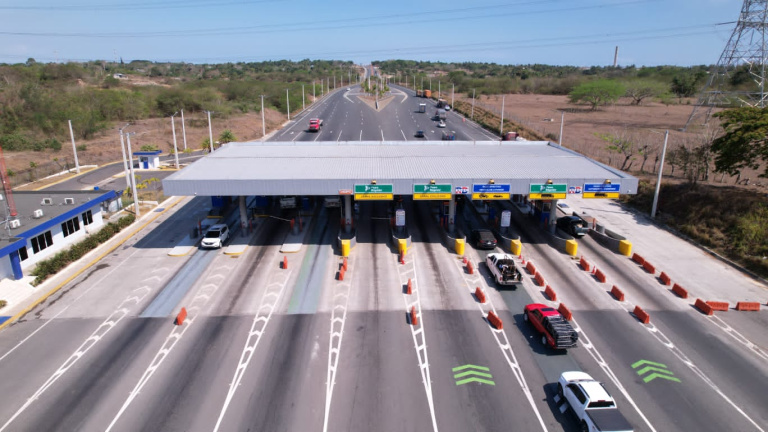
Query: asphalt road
x=301 y=348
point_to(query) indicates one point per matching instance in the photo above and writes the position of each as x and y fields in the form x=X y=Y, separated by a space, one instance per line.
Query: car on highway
x=555 y=331
x=419 y=134
x=441 y=124
x=447 y=107
x=215 y=236
x=590 y=401
x=483 y=239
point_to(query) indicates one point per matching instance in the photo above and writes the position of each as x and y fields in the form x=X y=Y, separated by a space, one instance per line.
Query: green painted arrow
x=469 y=380
x=468 y=366
x=463 y=374
x=642 y=362
x=657 y=375
x=647 y=369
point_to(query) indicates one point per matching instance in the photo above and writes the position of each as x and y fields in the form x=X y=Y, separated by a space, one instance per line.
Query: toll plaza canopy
x=333 y=168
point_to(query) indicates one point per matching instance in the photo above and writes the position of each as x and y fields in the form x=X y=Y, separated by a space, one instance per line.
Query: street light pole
x=183 y=130
x=288 y=104
x=501 y=128
x=472 y=116
x=125 y=161
x=302 y=98
x=658 y=180
x=74 y=148
x=210 y=131
x=175 y=149
x=453 y=93
x=562 y=122
x=133 y=176
x=263 y=125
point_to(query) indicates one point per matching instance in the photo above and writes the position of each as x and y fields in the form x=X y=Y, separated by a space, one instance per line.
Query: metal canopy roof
x=323 y=168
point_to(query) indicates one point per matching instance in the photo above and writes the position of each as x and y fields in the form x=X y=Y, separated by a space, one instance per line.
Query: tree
x=226 y=137
x=640 y=89
x=745 y=141
x=685 y=85
x=620 y=143
x=597 y=93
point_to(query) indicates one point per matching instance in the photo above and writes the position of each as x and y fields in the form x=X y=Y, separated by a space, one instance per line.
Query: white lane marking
x=382 y=134
x=401 y=131
x=361 y=135
x=339 y=137
x=101 y=331
x=318 y=136
x=665 y=341
x=340 y=301
x=732 y=332
x=209 y=286
x=269 y=301
x=502 y=341
x=408 y=272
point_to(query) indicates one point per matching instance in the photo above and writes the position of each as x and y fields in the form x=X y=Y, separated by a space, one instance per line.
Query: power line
x=136 y=6
x=330 y=24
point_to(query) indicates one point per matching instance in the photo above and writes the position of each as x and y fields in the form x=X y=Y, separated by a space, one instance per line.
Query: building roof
x=323 y=168
x=56 y=207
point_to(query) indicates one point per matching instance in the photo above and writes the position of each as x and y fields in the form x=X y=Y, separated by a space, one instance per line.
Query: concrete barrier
x=539 y=279
x=611 y=240
x=345 y=246
x=642 y=315
x=409 y=287
x=571 y=247
x=495 y=321
x=585 y=264
x=181 y=316
x=414 y=318
x=470 y=268
x=680 y=291
x=748 y=306
x=565 y=312
x=665 y=279
x=516 y=247
x=600 y=276
x=703 y=306
x=480 y=295
x=459 y=246
x=550 y=293
x=625 y=247
x=530 y=267
x=617 y=293
x=649 y=267
x=638 y=259
x=285 y=263
x=719 y=306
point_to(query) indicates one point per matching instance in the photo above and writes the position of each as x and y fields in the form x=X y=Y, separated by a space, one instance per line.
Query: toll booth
x=148 y=159
x=542 y=210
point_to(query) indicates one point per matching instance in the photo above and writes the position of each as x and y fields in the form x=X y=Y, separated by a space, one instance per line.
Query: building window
x=41 y=242
x=23 y=253
x=70 y=227
x=87 y=218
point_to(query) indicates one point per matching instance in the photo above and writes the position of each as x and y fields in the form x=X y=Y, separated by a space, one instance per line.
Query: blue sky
x=555 y=32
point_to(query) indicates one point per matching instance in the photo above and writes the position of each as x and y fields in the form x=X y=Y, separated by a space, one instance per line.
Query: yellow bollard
x=516 y=247
x=402 y=246
x=571 y=247
x=460 y=247
x=625 y=248
x=345 y=248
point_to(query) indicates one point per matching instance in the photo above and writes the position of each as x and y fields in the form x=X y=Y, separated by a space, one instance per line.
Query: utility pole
x=175 y=149
x=263 y=124
x=334 y=80
x=453 y=93
x=501 y=128
x=125 y=161
x=658 y=179
x=314 y=91
x=74 y=147
x=183 y=130
x=133 y=176
x=438 y=89
x=562 y=122
x=472 y=116
x=210 y=131
x=288 y=104
x=302 y=98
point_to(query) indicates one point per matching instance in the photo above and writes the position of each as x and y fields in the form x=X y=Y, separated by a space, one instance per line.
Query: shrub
x=3 y=303
x=54 y=264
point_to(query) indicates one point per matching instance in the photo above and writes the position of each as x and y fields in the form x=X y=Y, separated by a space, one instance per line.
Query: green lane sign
x=548 y=188
x=432 y=188
x=472 y=373
x=373 y=189
x=658 y=370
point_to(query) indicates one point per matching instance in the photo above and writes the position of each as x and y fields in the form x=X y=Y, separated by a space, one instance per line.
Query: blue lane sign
x=490 y=188
x=601 y=187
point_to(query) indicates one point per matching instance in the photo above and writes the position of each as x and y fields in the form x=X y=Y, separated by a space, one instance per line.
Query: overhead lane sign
x=491 y=191
x=547 y=191
x=601 y=190
x=373 y=192
x=432 y=191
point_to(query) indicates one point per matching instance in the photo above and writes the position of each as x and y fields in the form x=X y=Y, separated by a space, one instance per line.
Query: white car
x=441 y=124
x=215 y=236
x=447 y=107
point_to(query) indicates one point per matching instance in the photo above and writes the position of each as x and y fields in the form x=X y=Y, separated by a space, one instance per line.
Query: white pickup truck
x=503 y=269
x=591 y=403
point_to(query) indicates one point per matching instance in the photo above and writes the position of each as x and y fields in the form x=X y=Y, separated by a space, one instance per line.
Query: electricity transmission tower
x=739 y=77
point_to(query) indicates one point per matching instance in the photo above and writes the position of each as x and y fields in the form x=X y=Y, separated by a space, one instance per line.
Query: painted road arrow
x=659 y=371
x=474 y=374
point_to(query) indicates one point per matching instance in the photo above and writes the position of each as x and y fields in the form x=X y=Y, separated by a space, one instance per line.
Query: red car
x=555 y=330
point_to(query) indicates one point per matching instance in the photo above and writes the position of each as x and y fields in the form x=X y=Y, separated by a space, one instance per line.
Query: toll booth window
x=87 y=218
x=23 y=253
x=41 y=242
x=70 y=227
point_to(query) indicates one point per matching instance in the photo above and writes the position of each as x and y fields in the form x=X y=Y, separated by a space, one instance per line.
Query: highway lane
x=622 y=341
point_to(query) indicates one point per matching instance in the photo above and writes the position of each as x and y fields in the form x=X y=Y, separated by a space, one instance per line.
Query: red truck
x=555 y=330
x=315 y=124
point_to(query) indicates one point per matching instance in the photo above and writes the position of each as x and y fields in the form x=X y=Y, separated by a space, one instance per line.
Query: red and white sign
x=346 y=192
x=461 y=190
